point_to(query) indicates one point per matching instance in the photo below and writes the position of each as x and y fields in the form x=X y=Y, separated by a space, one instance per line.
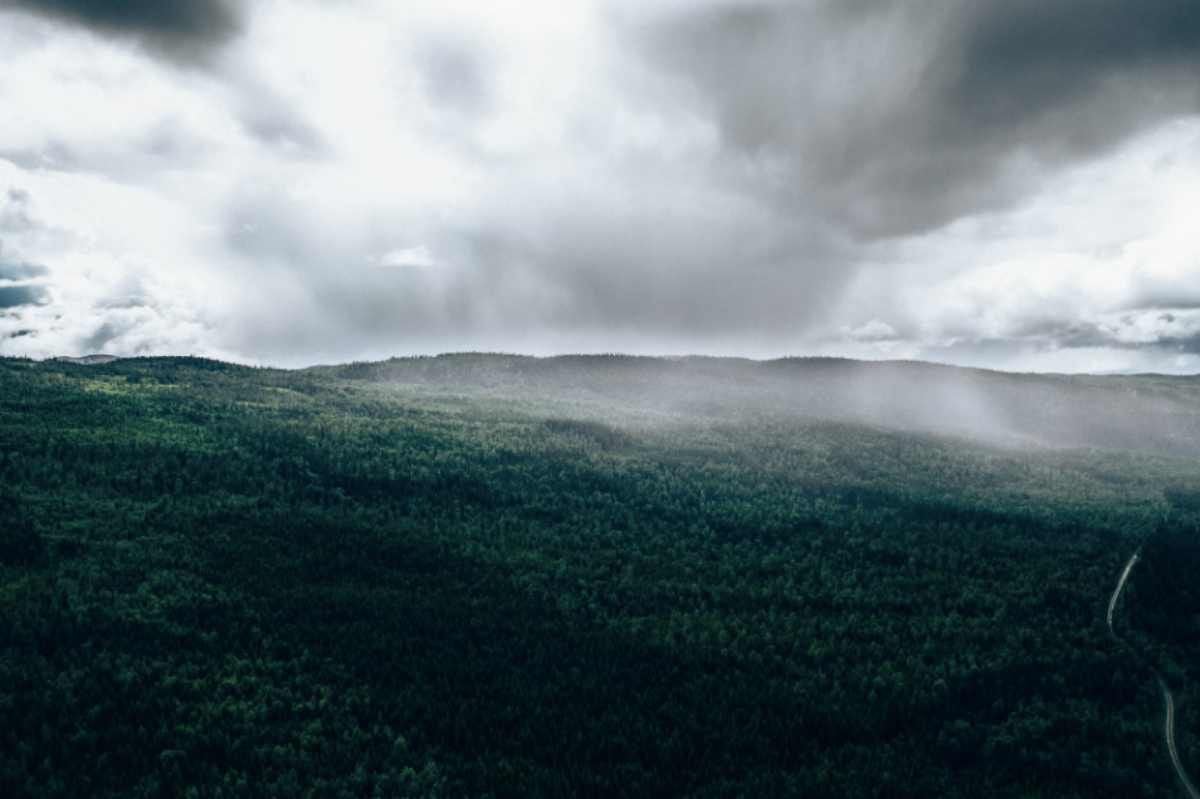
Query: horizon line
x=597 y=354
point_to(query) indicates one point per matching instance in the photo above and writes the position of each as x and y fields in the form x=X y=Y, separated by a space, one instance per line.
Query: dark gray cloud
x=758 y=176
x=666 y=275
x=15 y=213
x=1151 y=332
x=15 y=218
x=270 y=119
x=454 y=75
x=891 y=118
x=179 y=28
x=1165 y=295
x=631 y=268
x=21 y=271
x=1024 y=58
x=21 y=225
x=283 y=130
x=52 y=154
x=17 y=296
x=103 y=334
x=1188 y=345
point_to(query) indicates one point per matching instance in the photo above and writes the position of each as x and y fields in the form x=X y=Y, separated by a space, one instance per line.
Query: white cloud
x=874 y=330
x=1107 y=251
x=546 y=188
x=418 y=256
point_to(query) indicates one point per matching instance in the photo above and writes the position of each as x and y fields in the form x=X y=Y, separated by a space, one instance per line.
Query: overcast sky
x=1005 y=183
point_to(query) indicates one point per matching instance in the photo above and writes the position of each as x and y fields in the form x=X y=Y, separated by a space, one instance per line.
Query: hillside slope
x=1152 y=412
x=576 y=577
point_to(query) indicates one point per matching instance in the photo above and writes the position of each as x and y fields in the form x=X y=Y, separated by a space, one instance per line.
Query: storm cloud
x=1005 y=184
x=893 y=118
x=16 y=296
x=179 y=28
x=21 y=271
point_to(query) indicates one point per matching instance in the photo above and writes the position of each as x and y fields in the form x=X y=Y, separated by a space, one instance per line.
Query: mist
x=1030 y=411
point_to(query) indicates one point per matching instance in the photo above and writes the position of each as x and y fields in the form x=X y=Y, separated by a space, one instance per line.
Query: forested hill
x=1150 y=412
x=485 y=576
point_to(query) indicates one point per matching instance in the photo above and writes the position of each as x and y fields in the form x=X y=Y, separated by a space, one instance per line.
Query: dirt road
x=1168 y=697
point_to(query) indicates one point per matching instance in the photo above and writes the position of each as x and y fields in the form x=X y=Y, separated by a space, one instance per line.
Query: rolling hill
x=491 y=575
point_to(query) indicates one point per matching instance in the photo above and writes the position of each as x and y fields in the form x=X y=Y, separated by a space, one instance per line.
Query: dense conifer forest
x=490 y=576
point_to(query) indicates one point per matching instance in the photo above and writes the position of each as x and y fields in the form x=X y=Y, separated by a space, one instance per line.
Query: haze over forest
x=497 y=575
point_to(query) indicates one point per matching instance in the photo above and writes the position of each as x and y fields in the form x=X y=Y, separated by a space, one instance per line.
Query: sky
x=1011 y=184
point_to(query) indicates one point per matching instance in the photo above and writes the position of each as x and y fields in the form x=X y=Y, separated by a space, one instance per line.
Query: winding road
x=1168 y=697
x=1112 y=603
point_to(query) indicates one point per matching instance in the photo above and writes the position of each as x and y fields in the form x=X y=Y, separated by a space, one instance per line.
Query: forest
x=490 y=576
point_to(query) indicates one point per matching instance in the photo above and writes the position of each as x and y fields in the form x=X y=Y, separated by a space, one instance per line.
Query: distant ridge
x=1146 y=412
x=88 y=360
x=1138 y=412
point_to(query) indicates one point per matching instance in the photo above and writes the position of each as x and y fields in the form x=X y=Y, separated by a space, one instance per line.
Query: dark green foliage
x=1183 y=498
x=20 y=544
x=261 y=583
x=1164 y=613
x=588 y=432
